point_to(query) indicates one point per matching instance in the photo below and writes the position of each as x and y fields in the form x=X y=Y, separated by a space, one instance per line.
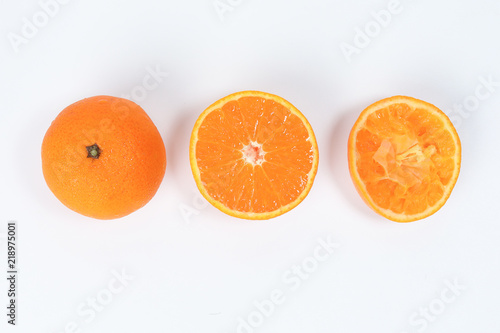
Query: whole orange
x=103 y=157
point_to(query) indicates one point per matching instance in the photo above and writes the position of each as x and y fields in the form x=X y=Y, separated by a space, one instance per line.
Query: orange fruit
x=103 y=157
x=404 y=158
x=253 y=155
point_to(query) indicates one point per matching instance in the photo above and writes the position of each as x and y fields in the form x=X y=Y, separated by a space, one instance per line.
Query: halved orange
x=404 y=158
x=253 y=155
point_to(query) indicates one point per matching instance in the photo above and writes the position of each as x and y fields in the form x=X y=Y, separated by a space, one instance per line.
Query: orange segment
x=253 y=155
x=404 y=158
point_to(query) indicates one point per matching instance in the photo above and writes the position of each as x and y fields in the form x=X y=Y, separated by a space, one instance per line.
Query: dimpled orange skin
x=118 y=177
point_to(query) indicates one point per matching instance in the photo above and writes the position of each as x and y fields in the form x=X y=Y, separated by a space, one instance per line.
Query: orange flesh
x=406 y=158
x=254 y=155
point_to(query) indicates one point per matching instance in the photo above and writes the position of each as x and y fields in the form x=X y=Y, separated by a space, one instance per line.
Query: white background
x=202 y=272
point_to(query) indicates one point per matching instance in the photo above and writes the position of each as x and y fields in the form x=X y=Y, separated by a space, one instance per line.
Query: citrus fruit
x=404 y=158
x=103 y=157
x=253 y=155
